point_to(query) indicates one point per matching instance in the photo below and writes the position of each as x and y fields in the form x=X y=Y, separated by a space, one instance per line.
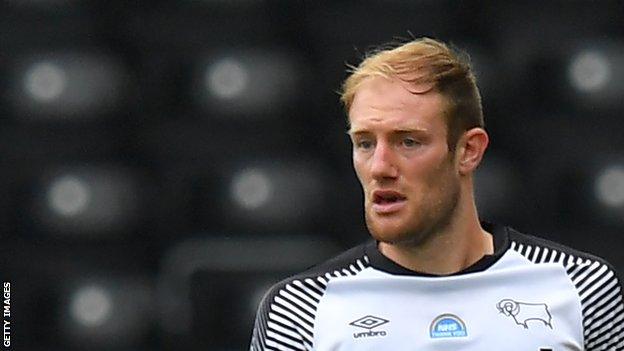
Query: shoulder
x=540 y=250
x=576 y=262
x=348 y=263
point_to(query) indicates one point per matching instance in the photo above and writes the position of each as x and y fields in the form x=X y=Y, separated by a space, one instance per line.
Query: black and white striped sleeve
x=285 y=319
x=602 y=304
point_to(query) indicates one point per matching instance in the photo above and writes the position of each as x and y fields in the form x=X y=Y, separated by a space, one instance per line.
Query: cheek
x=419 y=176
x=427 y=177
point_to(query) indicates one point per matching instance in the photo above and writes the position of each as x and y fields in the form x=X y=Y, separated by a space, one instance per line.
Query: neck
x=456 y=247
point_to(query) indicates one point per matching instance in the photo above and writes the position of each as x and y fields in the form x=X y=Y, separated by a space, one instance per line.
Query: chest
x=521 y=309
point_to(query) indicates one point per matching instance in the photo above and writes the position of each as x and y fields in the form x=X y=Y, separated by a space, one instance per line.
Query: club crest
x=523 y=312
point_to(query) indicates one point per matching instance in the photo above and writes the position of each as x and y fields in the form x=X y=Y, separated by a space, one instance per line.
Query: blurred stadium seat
x=246 y=83
x=67 y=85
x=105 y=313
x=210 y=288
x=87 y=201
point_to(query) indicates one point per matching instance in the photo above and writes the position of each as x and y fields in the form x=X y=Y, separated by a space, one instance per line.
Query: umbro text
x=369 y=334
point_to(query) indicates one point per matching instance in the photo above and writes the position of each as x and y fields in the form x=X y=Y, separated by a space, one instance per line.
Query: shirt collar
x=501 y=244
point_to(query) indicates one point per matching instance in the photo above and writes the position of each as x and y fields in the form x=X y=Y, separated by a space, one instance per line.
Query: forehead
x=391 y=103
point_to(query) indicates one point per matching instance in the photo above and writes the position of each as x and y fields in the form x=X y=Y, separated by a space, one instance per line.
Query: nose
x=383 y=165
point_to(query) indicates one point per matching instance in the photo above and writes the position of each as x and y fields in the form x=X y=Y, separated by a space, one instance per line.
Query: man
x=434 y=277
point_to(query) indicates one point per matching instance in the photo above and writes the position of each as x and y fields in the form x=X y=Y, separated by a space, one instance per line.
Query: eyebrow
x=352 y=132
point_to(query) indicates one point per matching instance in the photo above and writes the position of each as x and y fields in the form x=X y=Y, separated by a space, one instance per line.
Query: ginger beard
x=430 y=209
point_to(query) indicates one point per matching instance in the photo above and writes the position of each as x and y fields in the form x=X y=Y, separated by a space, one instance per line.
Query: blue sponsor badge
x=447 y=326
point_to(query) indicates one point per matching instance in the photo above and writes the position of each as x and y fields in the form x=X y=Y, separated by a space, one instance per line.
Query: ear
x=470 y=150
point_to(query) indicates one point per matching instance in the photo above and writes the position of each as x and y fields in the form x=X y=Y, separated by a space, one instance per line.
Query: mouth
x=387 y=201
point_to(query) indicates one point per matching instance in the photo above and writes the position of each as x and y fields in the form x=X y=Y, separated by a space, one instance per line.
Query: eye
x=363 y=144
x=409 y=142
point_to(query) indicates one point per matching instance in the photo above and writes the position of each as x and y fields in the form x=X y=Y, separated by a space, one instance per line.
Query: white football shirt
x=530 y=295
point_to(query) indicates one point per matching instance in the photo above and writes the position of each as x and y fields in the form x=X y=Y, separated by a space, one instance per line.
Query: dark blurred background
x=164 y=162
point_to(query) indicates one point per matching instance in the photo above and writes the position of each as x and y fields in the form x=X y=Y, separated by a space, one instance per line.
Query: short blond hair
x=425 y=61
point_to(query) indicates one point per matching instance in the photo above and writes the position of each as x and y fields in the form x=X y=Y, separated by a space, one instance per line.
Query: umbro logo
x=369 y=322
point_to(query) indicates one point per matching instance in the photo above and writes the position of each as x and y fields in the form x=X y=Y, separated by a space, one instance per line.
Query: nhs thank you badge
x=447 y=326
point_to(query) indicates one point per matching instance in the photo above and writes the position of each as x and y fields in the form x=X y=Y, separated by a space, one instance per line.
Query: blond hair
x=425 y=61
